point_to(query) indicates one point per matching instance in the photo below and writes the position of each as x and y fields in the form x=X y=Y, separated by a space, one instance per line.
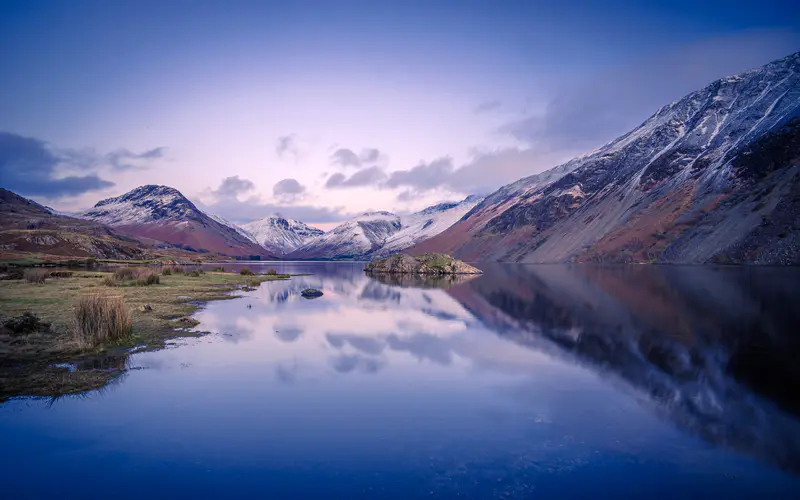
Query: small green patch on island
x=69 y=332
x=427 y=264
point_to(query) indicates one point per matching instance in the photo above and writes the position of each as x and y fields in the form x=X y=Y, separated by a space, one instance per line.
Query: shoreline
x=48 y=362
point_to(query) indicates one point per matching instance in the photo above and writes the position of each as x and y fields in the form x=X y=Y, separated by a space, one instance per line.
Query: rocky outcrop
x=426 y=264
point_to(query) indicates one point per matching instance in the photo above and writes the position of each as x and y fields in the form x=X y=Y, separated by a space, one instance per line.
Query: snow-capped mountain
x=381 y=233
x=711 y=177
x=420 y=226
x=161 y=215
x=356 y=238
x=279 y=235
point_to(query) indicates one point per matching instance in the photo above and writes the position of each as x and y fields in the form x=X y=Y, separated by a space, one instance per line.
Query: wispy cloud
x=344 y=157
x=288 y=190
x=35 y=168
x=286 y=146
x=226 y=201
x=367 y=177
x=488 y=106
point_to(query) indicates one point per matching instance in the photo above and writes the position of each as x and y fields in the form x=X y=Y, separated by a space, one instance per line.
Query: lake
x=528 y=381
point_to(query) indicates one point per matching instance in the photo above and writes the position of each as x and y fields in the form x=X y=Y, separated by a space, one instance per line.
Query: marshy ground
x=45 y=357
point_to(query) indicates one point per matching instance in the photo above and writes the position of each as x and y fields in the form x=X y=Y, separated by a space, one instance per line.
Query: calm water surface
x=527 y=382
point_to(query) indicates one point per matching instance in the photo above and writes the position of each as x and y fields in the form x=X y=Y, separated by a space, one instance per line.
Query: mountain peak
x=280 y=235
x=148 y=191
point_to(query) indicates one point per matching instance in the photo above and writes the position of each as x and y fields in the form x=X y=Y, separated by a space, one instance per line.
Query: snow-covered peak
x=144 y=205
x=356 y=238
x=380 y=233
x=427 y=223
x=280 y=235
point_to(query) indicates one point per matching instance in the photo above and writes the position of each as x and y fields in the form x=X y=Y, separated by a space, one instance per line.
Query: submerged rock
x=311 y=293
x=427 y=263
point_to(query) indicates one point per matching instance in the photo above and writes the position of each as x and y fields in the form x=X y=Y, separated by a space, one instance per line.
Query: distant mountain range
x=712 y=177
x=381 y=233
x=160 y=217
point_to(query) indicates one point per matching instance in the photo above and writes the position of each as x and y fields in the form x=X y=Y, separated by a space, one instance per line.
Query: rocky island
x=427 y=264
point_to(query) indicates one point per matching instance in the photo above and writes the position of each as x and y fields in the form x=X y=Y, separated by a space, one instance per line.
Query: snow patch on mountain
x=143 y=205
x=239 y=229
x=382 y=233
x=427 y=223
x=280 y=235
x=355 y=238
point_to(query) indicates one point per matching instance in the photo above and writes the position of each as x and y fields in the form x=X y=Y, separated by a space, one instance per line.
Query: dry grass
x=25 y=358
x=246 y=272
x=126 y=273
x=100 y=319
x=147 y=278
x=110 y=280
x=271 y=271
x=167 y=271
x=35 y=275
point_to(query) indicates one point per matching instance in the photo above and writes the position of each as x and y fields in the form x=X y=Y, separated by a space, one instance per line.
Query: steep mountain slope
x=711 y=177
x=280 y=236
x=427 y=223
x=28 y=227
x=239 y=229
x=356 y=238
x=162 y=216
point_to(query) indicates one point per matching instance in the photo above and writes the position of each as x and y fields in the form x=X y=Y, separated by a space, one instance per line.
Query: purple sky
x=319 y=110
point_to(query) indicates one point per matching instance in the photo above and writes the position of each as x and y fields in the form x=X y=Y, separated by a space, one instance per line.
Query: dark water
x=527 y=382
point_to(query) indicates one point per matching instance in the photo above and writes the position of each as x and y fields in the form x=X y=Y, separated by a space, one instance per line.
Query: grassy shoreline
x=28 y=361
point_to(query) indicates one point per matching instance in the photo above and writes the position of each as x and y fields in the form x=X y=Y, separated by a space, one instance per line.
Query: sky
x=320 y=110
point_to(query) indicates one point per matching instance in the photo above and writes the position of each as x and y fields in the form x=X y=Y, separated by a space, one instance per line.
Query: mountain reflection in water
x=711 y=349
x=526 y=381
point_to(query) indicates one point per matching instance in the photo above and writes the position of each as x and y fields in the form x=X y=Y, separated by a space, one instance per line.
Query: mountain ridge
x=644 y=195
x=380 y=233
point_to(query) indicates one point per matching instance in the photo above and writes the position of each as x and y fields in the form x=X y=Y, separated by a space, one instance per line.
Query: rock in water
x=311 y=293
x=428 y=263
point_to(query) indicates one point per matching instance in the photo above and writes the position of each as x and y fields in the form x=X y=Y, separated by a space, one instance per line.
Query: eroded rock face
x=429 y=263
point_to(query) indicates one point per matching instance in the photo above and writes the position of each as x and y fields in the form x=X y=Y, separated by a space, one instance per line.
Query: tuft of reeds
x=110 y=280
x=100 y=319
x=271 y=271
x=126 y=273
x=147 y=278
x=246 y=272
x=167 y=271
x=218 y=269
x=36 y=275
